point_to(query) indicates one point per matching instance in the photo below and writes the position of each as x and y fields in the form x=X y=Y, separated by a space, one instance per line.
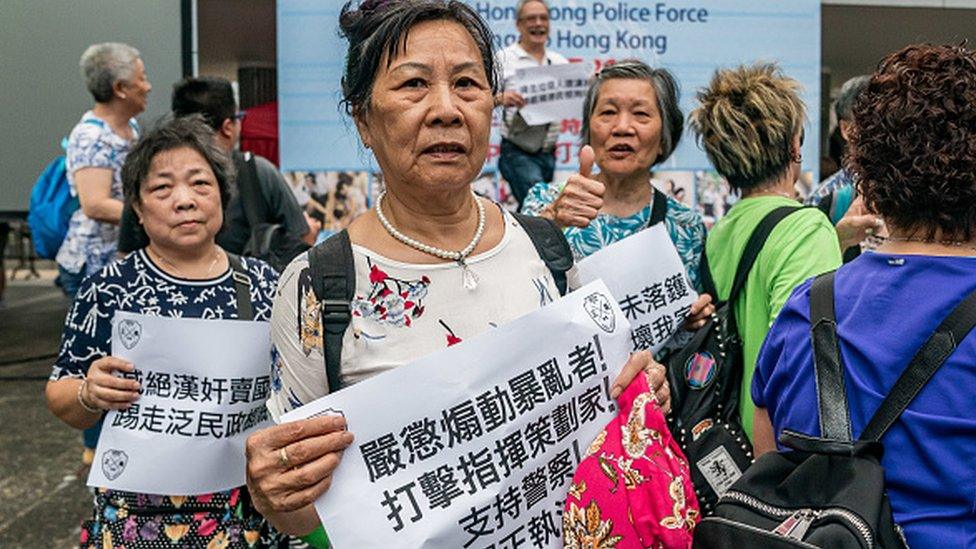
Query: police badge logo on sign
x=129 y=333
x=600 y=310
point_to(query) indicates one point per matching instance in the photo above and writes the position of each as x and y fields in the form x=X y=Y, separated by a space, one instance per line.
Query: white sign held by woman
x=649 y=282
x=476 y=445
x=551 y=92
x=203 y=387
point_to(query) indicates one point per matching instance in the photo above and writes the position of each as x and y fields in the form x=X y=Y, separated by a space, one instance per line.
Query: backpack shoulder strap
x=249 y=189
x=835 y=418
x=242 y=287
x=659 y=207
x=755 y=245
x=333 y=276
x=551 y=246
x=923 y=366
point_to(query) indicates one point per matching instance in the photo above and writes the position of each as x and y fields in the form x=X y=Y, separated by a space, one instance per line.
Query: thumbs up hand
x=581 y=198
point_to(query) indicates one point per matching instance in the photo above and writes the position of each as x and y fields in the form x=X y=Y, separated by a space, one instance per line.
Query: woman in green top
x=750 y=123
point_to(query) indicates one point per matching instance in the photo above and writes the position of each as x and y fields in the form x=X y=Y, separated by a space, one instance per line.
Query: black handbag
x=830 y=490
x=705 y=378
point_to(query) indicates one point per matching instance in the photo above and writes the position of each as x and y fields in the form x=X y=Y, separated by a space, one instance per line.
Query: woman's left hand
x=700 y=312
x=642 y=361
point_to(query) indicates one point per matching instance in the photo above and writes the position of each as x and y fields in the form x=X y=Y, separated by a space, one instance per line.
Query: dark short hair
x=666 y=89
x=174 y=133
x=913 y=142
x=379 y=27
x=209 y=96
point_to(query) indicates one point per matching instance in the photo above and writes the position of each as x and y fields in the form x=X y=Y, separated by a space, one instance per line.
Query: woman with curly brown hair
x=913 y=150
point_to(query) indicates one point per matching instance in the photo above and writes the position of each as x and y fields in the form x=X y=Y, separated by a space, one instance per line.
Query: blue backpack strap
x=551 y=246
x=333 y=276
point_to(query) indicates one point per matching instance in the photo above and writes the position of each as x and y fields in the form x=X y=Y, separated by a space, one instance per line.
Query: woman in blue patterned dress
x=631 y=122
x=116 y=78
x=177 y=182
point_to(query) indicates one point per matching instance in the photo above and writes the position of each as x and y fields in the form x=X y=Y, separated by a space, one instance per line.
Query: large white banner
x=476 y=445
x=648 y=279
x=204 y=384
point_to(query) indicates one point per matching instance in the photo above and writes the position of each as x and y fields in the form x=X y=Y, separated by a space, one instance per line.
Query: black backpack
x=829 y=491
x=705 y=378
x=333 y=278
x=270 y=242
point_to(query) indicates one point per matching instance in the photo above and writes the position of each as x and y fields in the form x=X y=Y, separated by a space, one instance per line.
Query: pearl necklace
x=469 y=280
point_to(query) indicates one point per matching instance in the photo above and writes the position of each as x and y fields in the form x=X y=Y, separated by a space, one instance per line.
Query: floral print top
x=633 y=488
x=401 y=312
x=90 y=244
x=684 y=225
x=129 y=520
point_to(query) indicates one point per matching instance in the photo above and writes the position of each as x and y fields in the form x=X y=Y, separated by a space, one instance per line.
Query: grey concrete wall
x=41 y=89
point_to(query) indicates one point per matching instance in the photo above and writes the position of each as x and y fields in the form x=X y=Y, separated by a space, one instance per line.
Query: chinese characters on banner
x=647 y=277
x=476 y=445
x=203 y=388
x=551 y=91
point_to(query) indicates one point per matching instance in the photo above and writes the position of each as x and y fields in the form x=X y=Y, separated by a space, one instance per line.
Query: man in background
x=526 y=151
x=214 y=99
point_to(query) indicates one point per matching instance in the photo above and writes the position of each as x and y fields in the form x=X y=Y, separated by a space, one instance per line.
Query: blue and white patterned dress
x=90 y=244
x=134 y=284
x=684 y=225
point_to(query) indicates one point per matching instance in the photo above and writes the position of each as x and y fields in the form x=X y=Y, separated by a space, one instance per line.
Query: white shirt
x=513 y=58
x=401 y=312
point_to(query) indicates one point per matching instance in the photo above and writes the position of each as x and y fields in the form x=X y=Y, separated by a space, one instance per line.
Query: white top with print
x=401 y=312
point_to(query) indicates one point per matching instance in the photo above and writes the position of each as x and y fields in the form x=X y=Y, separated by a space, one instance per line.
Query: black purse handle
x=829 y=364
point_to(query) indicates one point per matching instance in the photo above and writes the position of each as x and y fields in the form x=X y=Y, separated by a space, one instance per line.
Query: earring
x=797 y=157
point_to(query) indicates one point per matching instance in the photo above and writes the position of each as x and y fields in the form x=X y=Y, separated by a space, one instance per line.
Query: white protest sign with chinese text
x=551 y=91
x=646 y=276
x=477 y=444
x=204 y=384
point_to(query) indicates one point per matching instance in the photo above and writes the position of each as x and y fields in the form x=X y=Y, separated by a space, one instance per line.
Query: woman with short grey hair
x=631 y=122
x=116 y=77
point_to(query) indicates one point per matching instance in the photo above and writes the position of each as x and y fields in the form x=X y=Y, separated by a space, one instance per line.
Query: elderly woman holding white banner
x=433 y=263
x=177 y=183
x=631 y=122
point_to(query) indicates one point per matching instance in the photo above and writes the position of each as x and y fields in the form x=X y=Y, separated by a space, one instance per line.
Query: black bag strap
x=333 y=276
x=755 y=245
x=242 y=287
x=933 y=353
x=835 y=418
x=248 y=186
x=551 y=246
x=659 y=207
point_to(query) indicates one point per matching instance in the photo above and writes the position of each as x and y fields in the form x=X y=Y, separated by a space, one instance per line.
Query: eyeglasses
x=534 y=18
x=239 y=115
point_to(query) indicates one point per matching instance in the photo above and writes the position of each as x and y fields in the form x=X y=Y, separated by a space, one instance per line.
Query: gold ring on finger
x=283 y=457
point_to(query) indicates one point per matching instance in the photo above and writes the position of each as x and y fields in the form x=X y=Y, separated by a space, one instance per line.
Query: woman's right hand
x=581 y=199
x=105 y=390
x=290 y=465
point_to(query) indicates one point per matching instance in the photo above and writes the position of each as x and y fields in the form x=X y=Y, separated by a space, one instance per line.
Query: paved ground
x=43 y=497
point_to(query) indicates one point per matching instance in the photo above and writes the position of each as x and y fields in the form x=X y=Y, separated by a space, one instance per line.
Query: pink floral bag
x=633 y=488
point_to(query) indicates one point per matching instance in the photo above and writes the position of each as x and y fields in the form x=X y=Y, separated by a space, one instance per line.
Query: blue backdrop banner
x=689 y=37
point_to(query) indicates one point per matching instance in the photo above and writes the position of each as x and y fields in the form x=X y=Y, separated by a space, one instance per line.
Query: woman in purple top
x=914 y=153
